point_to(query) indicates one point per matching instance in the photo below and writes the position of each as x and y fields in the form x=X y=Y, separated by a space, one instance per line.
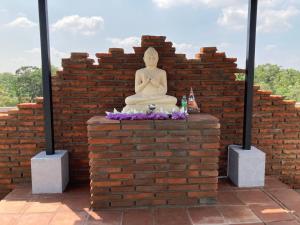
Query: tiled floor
x=275 y=204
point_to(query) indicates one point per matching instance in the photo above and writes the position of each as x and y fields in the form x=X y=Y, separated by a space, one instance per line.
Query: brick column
x=157 y=162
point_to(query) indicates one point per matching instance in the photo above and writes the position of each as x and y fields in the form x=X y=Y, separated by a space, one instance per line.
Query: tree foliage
x=28 y=83
x=7 y=93
x=22 y=86
x=285 y=82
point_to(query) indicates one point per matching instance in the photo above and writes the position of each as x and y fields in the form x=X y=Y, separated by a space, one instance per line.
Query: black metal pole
x=46 y=70
x=250 y=66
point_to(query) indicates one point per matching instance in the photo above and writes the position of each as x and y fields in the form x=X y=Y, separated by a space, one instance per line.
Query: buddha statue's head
x=151 y=57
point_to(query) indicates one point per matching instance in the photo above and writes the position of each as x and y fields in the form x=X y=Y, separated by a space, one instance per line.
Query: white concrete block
x=50 y=173
x=246 y=168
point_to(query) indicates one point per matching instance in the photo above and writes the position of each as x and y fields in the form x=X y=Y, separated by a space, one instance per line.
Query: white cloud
x=126 y=43
x=270 y=47
x=233 y=17
x=34 y=51
x=21 y=22
x=2 y=10
x=186 y=48
x=58 y=54
x=272 y=16
x=165 y=4
x=34 y=57
x=78 y=24
x=54 y=52
x=270 y=20
x=19 y=60
x=191 y=49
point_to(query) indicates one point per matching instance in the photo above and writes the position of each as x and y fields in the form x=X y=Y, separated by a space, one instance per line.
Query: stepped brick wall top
x=153 y=162
x=84 y=89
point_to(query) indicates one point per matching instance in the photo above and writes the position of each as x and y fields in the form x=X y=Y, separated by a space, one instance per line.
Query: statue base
x=166 y=108
x=153 y=162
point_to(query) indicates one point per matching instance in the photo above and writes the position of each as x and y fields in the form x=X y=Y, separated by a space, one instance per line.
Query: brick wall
x=157 y=162
x=84 y=89
x=21 y=137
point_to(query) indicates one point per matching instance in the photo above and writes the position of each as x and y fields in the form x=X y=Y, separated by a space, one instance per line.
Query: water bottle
x=184 y=103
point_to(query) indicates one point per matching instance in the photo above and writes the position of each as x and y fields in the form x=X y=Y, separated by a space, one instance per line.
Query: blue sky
x=96 y=25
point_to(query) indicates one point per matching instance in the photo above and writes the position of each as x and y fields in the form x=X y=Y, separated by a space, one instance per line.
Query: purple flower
x=178 y=116
x=144 y=116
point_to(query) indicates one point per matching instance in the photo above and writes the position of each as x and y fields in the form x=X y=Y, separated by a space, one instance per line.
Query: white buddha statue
x=150 y=88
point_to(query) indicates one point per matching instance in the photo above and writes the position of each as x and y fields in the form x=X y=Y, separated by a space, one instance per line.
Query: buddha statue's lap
x=138 y=99
x=150 y=87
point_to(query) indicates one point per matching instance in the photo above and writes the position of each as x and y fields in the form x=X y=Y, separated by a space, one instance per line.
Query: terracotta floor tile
x=205 y=215
x=225 y=185
x=238 y=214
x=8 y=219
x=294 y=207
x=77 y=191
x=247 y=224
x=286 y=196
x=42 y=206
x=35 y=219
x=69 y=218
x=171 y=216
x=138 y=217
x=293 y=222
x=234 y=206
x=270 y=213
x=228 y=198
x=75 y=203
x=104 y=218
x=274 y=183
x=20 y=193
x=9 y=206
x=47 y=197
x=254 y=197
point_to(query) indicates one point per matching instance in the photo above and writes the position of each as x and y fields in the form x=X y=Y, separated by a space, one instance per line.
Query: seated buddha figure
x=150 y=88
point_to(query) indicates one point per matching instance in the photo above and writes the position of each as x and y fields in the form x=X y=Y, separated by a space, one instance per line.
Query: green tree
x=23 y=86
x=285 y=82
x=266 y=76
x=7 y=93
x=28 y=83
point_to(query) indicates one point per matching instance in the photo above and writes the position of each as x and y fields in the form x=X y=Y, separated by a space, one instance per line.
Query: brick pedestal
x=145 y=163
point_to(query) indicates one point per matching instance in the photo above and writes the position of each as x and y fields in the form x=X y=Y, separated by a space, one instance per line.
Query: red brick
x=204 y=153
x=104 y=127
x=201 y=194
x=201 y=180
x=136 y=127
x=171 y=180
x=171 y=139
x=164 y=153
x=210 y=146
x=209 y=173
x=138 y=196
x=150 y=160
x=171 y=195
x=184 y=187
x=105 y=183
x=104 y=141
x=121 y=176
x=122 y=203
